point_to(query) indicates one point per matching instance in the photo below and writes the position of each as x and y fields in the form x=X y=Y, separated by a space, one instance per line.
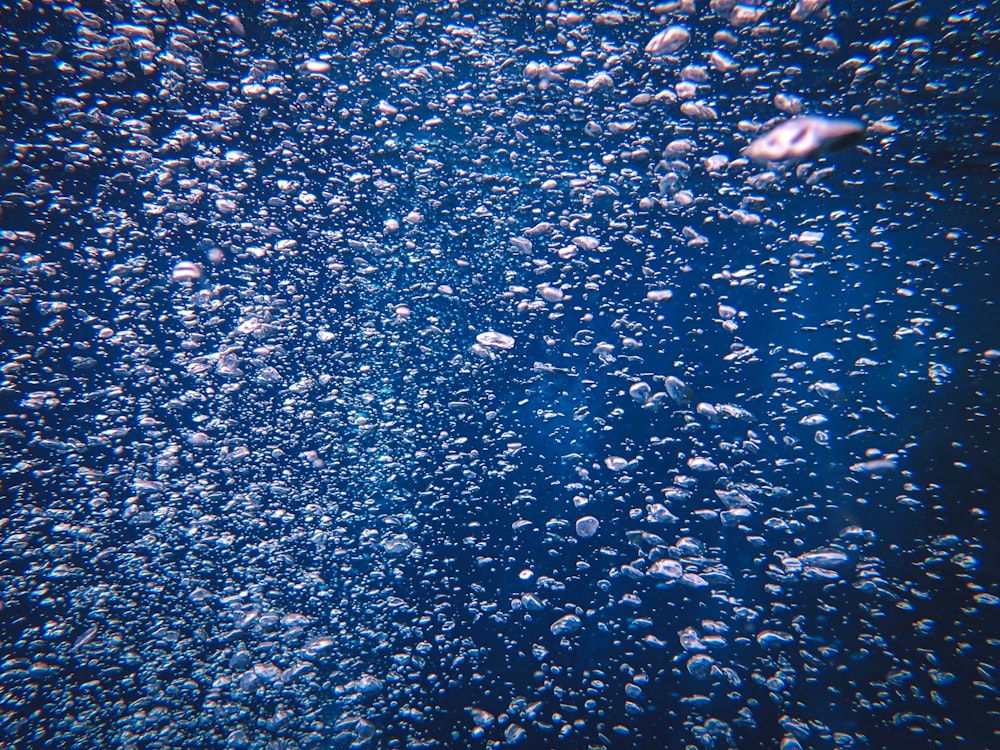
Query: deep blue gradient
x=269 y=507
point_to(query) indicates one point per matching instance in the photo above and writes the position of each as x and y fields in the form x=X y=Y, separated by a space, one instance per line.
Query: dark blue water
x=162 y=512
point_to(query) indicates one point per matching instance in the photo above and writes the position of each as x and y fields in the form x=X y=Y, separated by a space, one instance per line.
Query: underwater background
x=401 y=375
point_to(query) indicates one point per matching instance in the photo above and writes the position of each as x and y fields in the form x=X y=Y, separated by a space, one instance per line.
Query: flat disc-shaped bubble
x=586 y=527
x=666 y=569
x=672 y=39
x=566 y=625
x=804 y=138
x=495 y=340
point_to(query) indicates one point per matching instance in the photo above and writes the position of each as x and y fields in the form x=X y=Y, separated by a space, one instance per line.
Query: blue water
x=335 y=551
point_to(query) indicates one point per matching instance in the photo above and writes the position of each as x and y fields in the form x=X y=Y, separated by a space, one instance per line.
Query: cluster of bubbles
x=400 y=375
